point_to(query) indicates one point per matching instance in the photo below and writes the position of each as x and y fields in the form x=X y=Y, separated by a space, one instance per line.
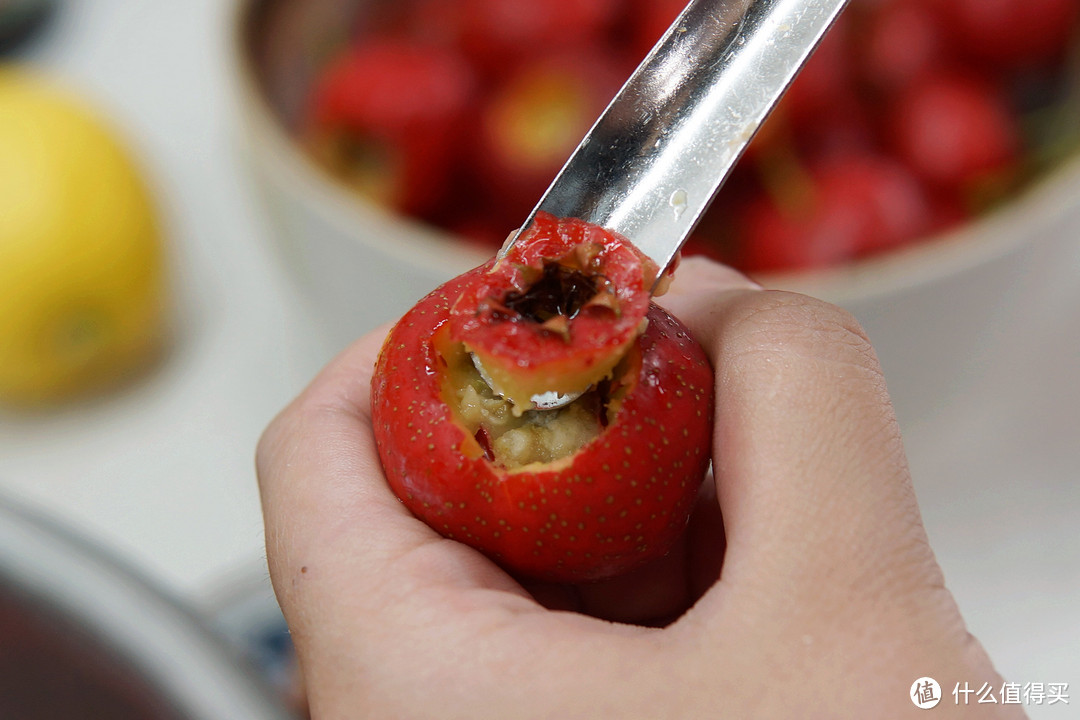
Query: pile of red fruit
x=912 y=116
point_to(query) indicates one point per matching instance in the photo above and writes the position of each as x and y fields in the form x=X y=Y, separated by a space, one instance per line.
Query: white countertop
x=996 y=462
x=163 y=472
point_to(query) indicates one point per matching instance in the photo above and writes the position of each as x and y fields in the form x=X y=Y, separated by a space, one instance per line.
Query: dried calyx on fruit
x=588 y=490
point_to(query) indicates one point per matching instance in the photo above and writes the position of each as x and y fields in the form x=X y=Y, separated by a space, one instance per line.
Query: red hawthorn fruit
x=386 y=116
x=577 y=494
x=902 y=41
x=849 y=129
x=650 y=20
x=853 y=205
x=534 y=119
x=498 y=34
x=1010 y=34
x=955 y=132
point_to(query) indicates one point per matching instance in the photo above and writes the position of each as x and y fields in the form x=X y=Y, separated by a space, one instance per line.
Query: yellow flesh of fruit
x=516 y=440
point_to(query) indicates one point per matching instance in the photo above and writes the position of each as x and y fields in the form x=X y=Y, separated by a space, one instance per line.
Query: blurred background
x=201 y=201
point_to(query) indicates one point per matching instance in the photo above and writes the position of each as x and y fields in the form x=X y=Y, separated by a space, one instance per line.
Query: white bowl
x=361 y=264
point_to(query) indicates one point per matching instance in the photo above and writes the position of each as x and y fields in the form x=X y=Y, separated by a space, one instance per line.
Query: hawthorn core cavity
x=537 y=436
x=559 y=291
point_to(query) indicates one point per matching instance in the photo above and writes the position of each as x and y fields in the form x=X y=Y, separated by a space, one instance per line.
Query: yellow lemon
x=82 y=297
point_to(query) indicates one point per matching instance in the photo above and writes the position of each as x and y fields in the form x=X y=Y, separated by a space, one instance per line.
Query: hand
x=830 y=603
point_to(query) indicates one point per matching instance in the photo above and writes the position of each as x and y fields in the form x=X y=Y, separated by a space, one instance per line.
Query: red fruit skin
x=902 y=41
x=1010 y=34
x=954 y=131
x=534 y=118
x=857 y=205
x=620 y=501
x=849 y=128
x=500 y=34
x=408 y=101
x=650 y=19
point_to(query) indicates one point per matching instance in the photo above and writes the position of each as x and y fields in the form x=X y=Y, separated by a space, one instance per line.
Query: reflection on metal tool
x=652 y=163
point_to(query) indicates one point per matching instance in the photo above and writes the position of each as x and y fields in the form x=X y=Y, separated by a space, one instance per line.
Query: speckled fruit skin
x=620 y=501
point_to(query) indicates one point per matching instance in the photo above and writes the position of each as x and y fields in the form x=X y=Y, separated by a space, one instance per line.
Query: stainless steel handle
x=653 y=161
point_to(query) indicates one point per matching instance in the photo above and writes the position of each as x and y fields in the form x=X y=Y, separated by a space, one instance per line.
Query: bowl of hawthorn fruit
x=398 y=143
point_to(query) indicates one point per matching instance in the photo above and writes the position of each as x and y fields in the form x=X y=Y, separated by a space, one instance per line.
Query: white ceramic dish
x=363 y=265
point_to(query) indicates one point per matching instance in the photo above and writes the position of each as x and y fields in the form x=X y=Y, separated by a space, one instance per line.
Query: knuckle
x=797 y=327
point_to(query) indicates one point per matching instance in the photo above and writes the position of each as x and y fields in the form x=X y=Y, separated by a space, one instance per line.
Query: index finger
x=809 y=463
